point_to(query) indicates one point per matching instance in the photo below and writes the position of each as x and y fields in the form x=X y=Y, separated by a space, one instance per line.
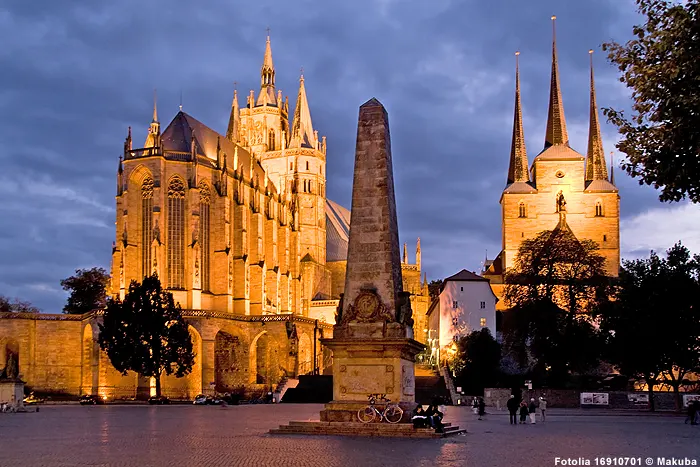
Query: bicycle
x=392 y=413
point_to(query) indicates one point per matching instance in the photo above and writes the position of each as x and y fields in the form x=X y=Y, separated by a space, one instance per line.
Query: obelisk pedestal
x=373 y=346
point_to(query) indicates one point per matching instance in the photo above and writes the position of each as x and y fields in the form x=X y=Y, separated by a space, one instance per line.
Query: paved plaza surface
x=185 y=435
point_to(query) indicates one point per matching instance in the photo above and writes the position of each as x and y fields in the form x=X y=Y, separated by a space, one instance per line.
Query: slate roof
x=178 y=137
x=465 y=275
x=337 y=231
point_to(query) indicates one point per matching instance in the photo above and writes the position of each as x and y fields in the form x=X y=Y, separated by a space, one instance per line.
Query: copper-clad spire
x=518 y=170
x=556 y=123
x=595 y=160
x=234 y=121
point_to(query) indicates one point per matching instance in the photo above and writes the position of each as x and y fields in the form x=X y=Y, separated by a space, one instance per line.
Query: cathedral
x=561 y=189
x=237 y=226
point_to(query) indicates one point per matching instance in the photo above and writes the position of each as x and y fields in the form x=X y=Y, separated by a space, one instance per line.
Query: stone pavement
x=215 y=436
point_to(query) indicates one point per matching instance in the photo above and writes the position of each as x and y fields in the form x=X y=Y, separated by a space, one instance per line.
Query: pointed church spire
x=418 y=254
x=267 y=77
x=556 y=123
x=519 y=168
x=234 y=121
x=302 y=129
x=595 y=160
x=612 y=167
x=153 y=138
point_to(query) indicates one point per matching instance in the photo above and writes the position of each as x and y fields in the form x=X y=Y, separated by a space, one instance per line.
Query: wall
x=466 y=317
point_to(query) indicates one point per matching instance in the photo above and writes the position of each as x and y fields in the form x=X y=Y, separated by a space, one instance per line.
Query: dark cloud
x=77 y=73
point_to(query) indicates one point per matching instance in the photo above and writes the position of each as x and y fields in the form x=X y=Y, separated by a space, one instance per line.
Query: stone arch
x=305 y=354
x=9 y=357
x=90 y=362
x=139 y=174
x=264 y=360
x=229 y=361
x=189 y=385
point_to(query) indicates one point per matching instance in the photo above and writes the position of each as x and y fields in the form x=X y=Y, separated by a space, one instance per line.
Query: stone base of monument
x=380 y=430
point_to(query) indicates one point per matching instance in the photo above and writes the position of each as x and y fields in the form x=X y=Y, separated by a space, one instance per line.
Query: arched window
x=204 y=223
x=598 y=209
x=522 y=211
x=176 y=234
x=271 y=140
x=146 y=226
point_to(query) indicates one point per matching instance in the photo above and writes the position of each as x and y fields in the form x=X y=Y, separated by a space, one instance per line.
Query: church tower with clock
x=561 y=188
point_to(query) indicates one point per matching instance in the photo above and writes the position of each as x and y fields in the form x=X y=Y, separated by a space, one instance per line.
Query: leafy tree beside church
x=88 y=290
x=551 y=292
x=661 y=137
x=146 y=333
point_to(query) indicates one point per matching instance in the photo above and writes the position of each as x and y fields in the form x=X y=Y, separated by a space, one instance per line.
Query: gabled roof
x=559 y=152
x=520 y=187
x=465 y=275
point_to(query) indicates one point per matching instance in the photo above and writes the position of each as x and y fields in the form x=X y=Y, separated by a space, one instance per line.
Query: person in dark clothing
x=482 y=408
x=435 y=418
x=523 y=412
x=692 y=412
x=419 y=418
x=512 y=405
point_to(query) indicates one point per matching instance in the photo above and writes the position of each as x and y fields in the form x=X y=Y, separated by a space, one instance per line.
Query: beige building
x=560 y=184
x=237 y=226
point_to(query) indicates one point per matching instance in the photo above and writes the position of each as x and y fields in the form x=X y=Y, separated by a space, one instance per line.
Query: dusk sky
x=76 y=74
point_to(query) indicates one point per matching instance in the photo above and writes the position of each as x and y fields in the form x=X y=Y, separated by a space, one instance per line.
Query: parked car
x=158 y=400
x=92 y=399
x=32 y=399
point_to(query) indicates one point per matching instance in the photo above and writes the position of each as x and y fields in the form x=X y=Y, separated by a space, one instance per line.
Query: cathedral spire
x=595 y=160
x=303 y=134
x=267 y=77
x=234 y=121
x=612 y=167
x=556 y=123
x=518 y=170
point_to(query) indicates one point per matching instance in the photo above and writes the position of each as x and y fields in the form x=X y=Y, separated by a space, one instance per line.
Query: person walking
x=475 y=405
x=512 y=405
x=543 y=408
x=533 y=411
x=482 y=408
x=523 y=412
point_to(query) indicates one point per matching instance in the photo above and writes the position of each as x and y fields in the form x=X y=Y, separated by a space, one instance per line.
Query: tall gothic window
x=176 y=234
x=204 y=209
x=146 y=226
x=598 y=209
x=271 y=140
x=522 y=211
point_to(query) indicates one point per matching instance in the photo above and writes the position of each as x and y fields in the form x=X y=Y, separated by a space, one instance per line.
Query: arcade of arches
x=59 y=354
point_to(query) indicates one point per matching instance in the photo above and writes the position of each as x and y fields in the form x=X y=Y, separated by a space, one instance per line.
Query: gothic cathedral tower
x=561 y=186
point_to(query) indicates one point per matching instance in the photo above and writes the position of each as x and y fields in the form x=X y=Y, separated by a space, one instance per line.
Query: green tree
x=660 y=66
x=434 y=288
x=551 y=290
x=146 y=333
x=652 y=321
x=88 y=290
x=477 y=361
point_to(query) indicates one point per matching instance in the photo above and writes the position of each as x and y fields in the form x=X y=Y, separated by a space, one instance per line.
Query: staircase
x=312 y=389
x=430 y=387
x=383 y=430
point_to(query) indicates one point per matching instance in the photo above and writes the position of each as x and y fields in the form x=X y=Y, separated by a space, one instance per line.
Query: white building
x=466 y=304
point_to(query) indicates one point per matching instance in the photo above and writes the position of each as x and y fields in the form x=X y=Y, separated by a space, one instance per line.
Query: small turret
x=120 y=177
x=234 y=121
x=153 y=138
x=267 y=78
x=303 y=134
x=405 y=254
x=128 y=145
x=418 y=253
x=193 y=156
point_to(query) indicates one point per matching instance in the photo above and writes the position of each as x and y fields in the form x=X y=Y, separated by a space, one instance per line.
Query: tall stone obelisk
x=373 y=346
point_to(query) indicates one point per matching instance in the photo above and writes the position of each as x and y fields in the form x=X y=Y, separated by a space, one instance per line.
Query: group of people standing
x=526 y=410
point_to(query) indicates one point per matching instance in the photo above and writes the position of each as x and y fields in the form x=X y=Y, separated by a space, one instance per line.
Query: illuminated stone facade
x=561 y=184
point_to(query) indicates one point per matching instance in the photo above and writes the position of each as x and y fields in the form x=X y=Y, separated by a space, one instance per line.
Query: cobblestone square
x=182 y=435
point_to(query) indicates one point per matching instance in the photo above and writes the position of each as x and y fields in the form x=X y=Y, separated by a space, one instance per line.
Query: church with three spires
x=561 y=189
